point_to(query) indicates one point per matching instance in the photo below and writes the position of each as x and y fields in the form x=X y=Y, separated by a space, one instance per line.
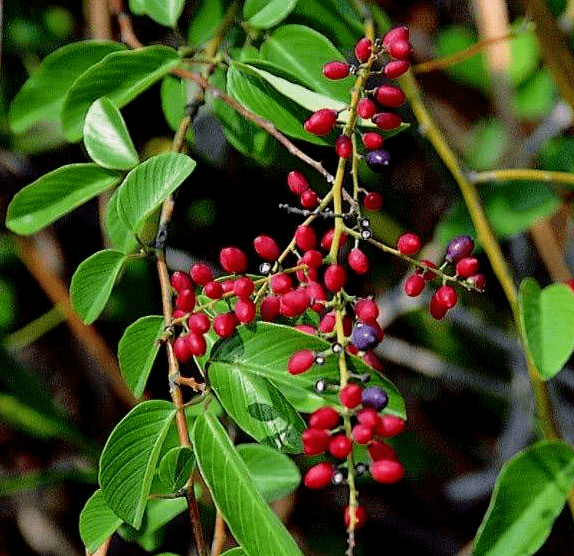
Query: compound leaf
x=55 y=194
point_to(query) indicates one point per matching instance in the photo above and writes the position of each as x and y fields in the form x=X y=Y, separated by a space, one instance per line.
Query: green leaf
x=529 y=494
x=97 y=522
x=55 y=194
x=256 y=405
x=148 y=185
x=547 y=322
x=263 y=349
x=107 y=138
x=245 y=136
x=175 y=467
x=251 y=521
x=525 y=53
x=235 y=552
x=536 y=97
x=137 y=351
x=264 y=14
x=488 y=142
x=304 y=52
x=118 y=231
x=206 y=19
x=121 y=76
x=42 y=96
x=93 y=281
x=164 y=12
x=13 y=485
x=274 y=473
x=130 y=456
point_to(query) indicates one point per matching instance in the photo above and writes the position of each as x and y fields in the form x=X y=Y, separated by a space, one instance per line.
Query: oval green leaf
x=207 y=17
x=93 y=281
x=97 y=522
x=164 y=12
x=263 y=349
x=130 y=457
x=547 y=319
x=121 y=237
x=137 y=351
x=175 y=467
x=529 y=494
x=274 y=473
x=257 y=406
x=121 y=76
x=264 y=14
x=55 y=194
x=251 y=521
x=304 y=51
x=148 y=185
x=107 y=138
x=42 y=96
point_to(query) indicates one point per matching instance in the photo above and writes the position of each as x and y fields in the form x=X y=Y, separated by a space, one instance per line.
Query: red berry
x=201 y=274
x=373 y=361
x=369 y=417
x=427 y=274
x=196 y=343
x=336 y=70
x=307 y=274
x=245 y=311
x=360 y=517
x=319 y=476
x=390 y=95
x=224 y=324
x=294 y=303
x=185 y=300
x=446 y=295
x=335 y=277
x=181 y=281
x=300 y=361
x=366 y=310
x=178 y=313
x=181 y=349
x=358 y=261
x=400 y=50
x=350 y=395
x=372 y=140
x=317 y=296
x=396 y=68
x=389 y=426
x=327 y=239
x=297 y=182
x=373 y=201
x=387 y=120
x=305 y=238
x=309 y=199
x=315 y=441
x=269 y=308
x=281 y=283
x=321 y=122
x=343 y=146
x=362 y=434
x=325 y=418
x=213 y=290
x=233 y=260
x=340 y=446
x=478 y=281
x=363 y=49
x=199 y=322
x=396 y=34
x=266 y=247
x=327 y=323
x=436 y=308
x=243 y=287
x=312 y=258
x=414 y=285
x=409 y=244
x=366 y=108
x=467 y=267
x=387 y=471
x=307 y=328
x=379 y=450
x=227 y=285
x=570 y=284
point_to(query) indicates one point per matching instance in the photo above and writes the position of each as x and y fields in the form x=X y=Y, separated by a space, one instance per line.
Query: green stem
x=527 y=174
x=35 y=329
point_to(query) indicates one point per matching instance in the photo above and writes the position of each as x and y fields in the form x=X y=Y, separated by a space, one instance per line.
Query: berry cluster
x=458 y=255
x=327 y=435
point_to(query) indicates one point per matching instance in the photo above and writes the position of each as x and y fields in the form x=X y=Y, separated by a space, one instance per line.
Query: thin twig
x=219 y=535
x=522 y=174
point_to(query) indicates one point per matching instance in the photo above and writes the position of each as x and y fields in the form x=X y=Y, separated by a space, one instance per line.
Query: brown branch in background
x=550 y=251
x=97 y=16
x=86 y=335
x=219 y=535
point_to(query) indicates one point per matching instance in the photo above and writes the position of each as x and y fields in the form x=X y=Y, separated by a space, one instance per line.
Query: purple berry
x=364 y=337
x=378 y=160
x=375 y=397
x=459 y=248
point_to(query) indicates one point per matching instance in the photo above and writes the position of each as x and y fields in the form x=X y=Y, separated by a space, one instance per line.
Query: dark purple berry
x=375 y=397
x=459 y=248
x=378 y=160
x=364 y=337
